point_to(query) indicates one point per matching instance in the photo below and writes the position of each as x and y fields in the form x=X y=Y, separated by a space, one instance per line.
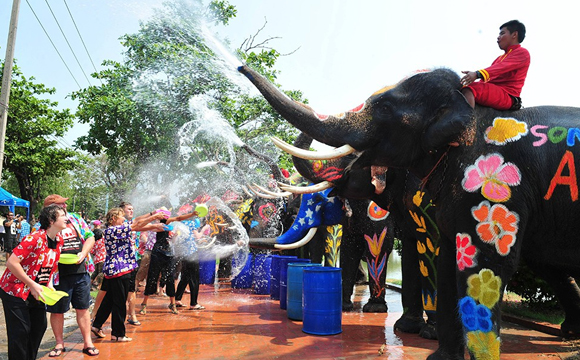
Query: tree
x=135 y=117
x=32 y=154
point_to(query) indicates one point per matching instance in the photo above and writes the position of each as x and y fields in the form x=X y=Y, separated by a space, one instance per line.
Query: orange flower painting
x=497 y=225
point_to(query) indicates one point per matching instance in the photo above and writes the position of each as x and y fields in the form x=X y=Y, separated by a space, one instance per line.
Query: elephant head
x=429 y=120
x=347 y=182
x=316 y=209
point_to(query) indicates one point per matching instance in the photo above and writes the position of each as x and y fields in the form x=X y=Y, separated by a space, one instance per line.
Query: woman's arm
x=182 y=217
x=141 y=223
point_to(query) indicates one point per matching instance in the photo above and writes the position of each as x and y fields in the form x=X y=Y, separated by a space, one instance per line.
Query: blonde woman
x=119 y=264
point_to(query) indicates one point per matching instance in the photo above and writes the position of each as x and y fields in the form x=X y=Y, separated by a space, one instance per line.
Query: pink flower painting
x=493 y=177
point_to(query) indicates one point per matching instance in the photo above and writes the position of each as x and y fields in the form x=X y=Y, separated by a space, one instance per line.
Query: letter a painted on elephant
x=559 y=179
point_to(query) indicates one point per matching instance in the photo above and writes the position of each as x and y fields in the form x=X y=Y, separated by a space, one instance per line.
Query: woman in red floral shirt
x=31 y=265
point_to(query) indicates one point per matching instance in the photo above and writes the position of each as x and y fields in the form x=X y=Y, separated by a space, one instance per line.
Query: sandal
x=121 y=338
x=143 y=309
x=133 y=322
x=91 y=351
x=173 y=309
x=98 y=332
x=56 y=352
x=196 y=307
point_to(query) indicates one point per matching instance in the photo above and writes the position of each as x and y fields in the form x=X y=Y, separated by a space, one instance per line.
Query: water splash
x=236 y=244
x=210 y=124
x=226 y=62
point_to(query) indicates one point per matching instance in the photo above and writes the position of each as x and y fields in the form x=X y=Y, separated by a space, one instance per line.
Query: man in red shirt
x=502 y=82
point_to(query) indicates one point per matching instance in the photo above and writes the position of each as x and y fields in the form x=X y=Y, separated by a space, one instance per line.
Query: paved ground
x=240 y=325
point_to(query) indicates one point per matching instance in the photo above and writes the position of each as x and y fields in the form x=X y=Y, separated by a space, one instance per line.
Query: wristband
x=478 y=75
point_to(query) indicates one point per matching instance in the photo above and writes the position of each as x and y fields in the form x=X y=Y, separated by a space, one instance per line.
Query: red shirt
x=509 y=71
x=98 y=251
x=34 y=255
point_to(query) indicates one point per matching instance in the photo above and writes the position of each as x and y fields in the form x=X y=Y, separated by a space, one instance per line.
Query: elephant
x=503 y=182
x=410 y=209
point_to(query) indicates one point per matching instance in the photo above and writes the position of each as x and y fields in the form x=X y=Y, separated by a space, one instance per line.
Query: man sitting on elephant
x=503 y=80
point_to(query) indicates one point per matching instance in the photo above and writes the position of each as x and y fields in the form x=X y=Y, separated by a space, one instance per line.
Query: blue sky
x=345 y=49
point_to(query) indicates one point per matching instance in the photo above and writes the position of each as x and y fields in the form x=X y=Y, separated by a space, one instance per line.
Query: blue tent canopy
x=9 y=200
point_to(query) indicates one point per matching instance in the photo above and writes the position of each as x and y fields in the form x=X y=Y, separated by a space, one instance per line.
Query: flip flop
x=56 y=352
x=136 y=322
x=91 y=351
x=98 y=332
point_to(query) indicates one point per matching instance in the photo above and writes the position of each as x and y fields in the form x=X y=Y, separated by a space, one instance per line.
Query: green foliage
x=221 y=12
x=534 y=291
x=135 y=117
x=32 y=154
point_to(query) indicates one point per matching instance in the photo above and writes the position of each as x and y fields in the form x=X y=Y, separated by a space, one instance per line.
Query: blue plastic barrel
x=284 y=278
x=294 y=295
x=207 y=271
x=261 y=272
x=244 y=279
x=275 y=275
x=322 y=301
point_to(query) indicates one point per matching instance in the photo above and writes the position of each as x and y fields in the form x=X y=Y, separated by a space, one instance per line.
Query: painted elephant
x=504 y=183
x=413 y=213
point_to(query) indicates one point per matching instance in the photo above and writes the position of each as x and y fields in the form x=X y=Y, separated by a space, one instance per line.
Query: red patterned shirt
x=98 y=251
x=34 y=255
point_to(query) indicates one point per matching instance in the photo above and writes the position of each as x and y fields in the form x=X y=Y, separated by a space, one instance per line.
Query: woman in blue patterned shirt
x=119 y=263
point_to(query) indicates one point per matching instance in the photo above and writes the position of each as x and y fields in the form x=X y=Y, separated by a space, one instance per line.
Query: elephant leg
x=412 y=319
x=428 y=267
x=377 y=266
x=449 y=327
x=568 y=294
x=351 y=253
x=316 y=246
x=225 y=267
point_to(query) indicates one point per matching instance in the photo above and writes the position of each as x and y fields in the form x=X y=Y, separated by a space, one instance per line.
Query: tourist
x=119 y=264
x=98 y=253
x=162 y=263
x=11 y=225
x=31 y=265
x=24 y=228
x=73 y=279
x=146 y=244
x=190 y=266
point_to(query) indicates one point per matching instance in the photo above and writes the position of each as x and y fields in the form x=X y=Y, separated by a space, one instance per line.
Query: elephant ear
x=450 y=123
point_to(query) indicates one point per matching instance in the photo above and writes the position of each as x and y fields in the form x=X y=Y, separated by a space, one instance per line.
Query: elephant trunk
x=274 y=168
x=352 y=128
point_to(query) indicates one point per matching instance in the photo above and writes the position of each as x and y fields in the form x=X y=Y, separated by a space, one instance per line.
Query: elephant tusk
x=277 y=194
x=245 y=189
x=262 y=195
x=221 y=224
x=313 y=155
x=213 y=239
x=306 y=189
x=298 y=243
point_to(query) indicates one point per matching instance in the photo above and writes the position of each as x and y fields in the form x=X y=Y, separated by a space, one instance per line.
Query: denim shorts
x=78 y=288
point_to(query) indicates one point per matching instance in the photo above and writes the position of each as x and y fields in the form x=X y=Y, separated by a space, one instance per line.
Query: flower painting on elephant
x=428 y=236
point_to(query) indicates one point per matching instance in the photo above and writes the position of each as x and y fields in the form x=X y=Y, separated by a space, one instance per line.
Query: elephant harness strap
x=426 y=179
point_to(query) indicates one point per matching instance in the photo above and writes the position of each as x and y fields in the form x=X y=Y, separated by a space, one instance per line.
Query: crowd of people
x=114 y=255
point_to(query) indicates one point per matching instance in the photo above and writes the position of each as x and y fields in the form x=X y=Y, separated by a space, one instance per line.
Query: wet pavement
x=238 y=324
